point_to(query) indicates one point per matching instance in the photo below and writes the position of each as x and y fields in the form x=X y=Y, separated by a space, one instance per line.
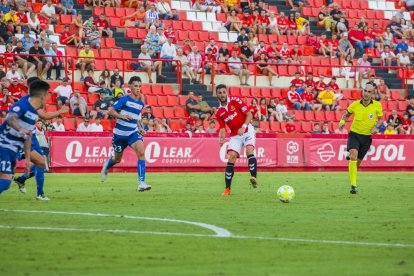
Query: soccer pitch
x=184 y=227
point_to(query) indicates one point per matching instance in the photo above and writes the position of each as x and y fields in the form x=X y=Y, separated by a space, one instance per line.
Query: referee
x=366 y=113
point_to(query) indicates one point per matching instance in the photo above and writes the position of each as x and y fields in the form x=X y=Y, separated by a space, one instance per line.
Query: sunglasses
x=369 y=91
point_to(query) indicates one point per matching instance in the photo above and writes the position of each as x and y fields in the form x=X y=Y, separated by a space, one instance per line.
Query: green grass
x=382 y=212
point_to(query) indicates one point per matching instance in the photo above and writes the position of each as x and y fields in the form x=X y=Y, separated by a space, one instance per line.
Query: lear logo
x=74 y=151
x=292 y=147
x=326 y=152
x=152 y=152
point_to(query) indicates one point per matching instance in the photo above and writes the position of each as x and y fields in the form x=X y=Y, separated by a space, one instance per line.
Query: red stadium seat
x=131 y=33
x=158 y=112
x=97 y=11
x=255 y=92
x=402 y=105
x=235 y=91
x=356 y=94
x=162 y=100
x=275 y=127
x=319 y=116
x=245 y=91
x=392 y=105
x=119 y=12
x=179 y=112
x=146 y=89
x=167 y=90
x=92 y=98
x=69 y=124
x=172 y=100
x=175 y=125
x=395 y=95
x=110 y=42
x=188 y=26
x=309 y=115
x=99 y=64
x=276 y=92
x=265 y=92
x=194 y=37
x=284 y=93
x=151 y=100
x=307 y=126
x=182 y=100
x=330 y=116
x=106 y=125
x=264 y=126
x=105 y=53
x=37 y=7
x=65 y=19
x=343 y=105
x=109 y=11
x=299 y=115
x=156 y=89
x=346 y=93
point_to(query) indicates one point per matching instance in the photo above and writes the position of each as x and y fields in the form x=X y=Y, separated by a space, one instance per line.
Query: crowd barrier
x=85 y=152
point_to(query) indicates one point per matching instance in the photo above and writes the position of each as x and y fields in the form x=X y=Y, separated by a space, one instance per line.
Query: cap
x=65 y=79
x=26 y=31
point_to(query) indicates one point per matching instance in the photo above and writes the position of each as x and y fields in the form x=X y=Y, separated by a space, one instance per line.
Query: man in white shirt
x=165 y=12
x=64 y=91
x=149 y=65
x=49 y=11
x=58 y=125
x=403 y=58
x=389 y=58
x=13 y=73
x=85 y=126
x=237 y=68
x=96 y=126
x=168 y=50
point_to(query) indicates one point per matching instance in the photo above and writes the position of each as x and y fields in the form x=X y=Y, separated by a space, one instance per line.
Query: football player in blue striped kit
x=128 y=131
x=16 y=131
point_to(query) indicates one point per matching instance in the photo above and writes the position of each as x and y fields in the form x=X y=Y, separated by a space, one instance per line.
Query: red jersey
x=320 y=86
x=4 y=106
x=282 y=23
x=44 y=22
x=192 y=121
x=310 y=83
x=307 y=97
x=172 y=33
x=298 y=53
x=373 y=33
x=101 y=23
x=209 y=58
x=335 y=44
x=297 y=82
x=405 y=124
x=8 y=57
x=293 y=97
x=264 y=21
x=22 y=17
x=292 y=25
x=238 y=50
x=65 y=37
x=17 y=91
x=247 y=21
x=285 y=53
x=272 y=53
x=334 y=86
x=214 y=49
x=320 y=42
x=253 y=110
x=290 y=128
x=233 y=115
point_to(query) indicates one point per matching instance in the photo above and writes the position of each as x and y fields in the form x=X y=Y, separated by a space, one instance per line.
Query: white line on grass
x=219 y=232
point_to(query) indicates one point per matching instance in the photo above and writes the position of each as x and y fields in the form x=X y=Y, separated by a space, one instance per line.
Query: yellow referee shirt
x=365 y=117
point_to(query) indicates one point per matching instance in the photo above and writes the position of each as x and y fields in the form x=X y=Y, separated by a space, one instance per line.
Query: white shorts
x=237 y=142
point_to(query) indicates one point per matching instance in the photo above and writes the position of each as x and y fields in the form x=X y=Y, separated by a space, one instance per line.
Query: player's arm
x=113 y=113
x=13 y=121
x=51 y=115
x=343 y=120
x=249 y=117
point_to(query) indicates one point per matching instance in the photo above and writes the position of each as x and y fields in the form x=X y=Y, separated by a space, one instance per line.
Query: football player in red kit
x=237 y=116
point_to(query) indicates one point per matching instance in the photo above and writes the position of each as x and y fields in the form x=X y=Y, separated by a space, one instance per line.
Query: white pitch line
x=219 y=232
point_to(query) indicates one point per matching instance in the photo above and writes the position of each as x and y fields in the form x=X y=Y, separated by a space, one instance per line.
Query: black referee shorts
x=360 y=142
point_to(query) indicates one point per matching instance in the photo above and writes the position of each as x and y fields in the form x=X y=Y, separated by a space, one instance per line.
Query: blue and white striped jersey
x=10 y=139
x=127 y=106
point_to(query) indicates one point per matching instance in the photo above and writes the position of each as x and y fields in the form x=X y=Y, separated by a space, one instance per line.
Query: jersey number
x=5 y=166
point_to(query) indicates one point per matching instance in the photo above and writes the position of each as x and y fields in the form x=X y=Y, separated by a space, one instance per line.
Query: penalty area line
x=297 y=240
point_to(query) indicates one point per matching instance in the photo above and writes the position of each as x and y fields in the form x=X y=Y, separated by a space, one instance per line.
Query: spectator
x=271 y=110
x=5 y=34
x=294 y=3
x=116 y=76
x=272 y=28
x=410 y=108
x=284 y=54
x=248 y=22
x=265 y=69
x=324 y=19
x=325 y=128
x=136 y=19
x=194 y=60
x=149 y=65
x=209 y=61
x=242 y=36
x=86 y=61
x=148 y=113
x=345 y=47
x=390 y=130
x=389 y=59
x=320 y=85
x=295 y=101
x=16 y=90
x=237 y=69
x=152 y=41
x=85 y=126
x=327 y=99
x=309 y=80
x=308 y=97
x=78 y=104
x=302 y=24
x=371 y=81
x=5 y=101
x=394 y=119
x=49 y=12
x=403 y=59
x=359 y=39
x=264 y=23
x=118 y=91
x=96 y=126
x=103 y=26
x=151 y=16
x=64 y=92
x=224 y=53
x=58 y=125
x=324 y=48
x=165 y=12
x=192 y=104
x=211 y=127
x=383 y=90
x=168 y=50
x=50 y=59
x=396 y=28
x=380 y=126
x=335 y=88
x=41 y=63
x=67 y=37
x=233 y=22
x=205 y=110
x=316 y=129
x=185 y=66
x=199 y=129
x=296 y=56
x=105 y=77
x=13 y=73
x=335 y=13
x=405 y=124
x=108 y=93
x=364 y=69
x=93 y=37
x=67 y=7
x=22 y=61
x=12 y=20
x=290 y=127
x=43 y=39
x=2 y=73
x=282 y=24
x=297 y=81
x=402 y=45
x=28 y=41
x=341 y=27
x=90 y=84
x=101 y=106
x=164 y=127
x=388 y=37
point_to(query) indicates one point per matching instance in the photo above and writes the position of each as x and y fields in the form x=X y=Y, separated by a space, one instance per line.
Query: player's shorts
x=7 y=161
x=34 y=147
x=120 y=143
x=237 y=142
x=360 y=142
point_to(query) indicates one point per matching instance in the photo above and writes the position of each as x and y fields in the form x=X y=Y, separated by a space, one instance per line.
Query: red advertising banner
x=160 y=152
x=383 y=153
x=290 y=152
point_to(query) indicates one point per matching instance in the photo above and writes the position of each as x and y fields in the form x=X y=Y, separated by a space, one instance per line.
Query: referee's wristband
x=342 y=122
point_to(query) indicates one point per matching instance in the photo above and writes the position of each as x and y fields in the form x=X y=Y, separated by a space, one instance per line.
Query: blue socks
x=110 y=163
x=4 y=184
x=24 y=177
x=40 y=179
x=141 y=170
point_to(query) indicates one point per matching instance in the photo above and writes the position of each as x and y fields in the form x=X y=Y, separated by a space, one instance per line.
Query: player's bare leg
x=252 y=165
x=353 y=169
x=109 y=164
x=139 y=150
x=229 y=172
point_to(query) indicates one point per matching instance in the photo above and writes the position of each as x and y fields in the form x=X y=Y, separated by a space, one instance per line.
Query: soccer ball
x=285 y=193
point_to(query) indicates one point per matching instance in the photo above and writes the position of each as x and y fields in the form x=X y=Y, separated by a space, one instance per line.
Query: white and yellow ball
x=285 y=193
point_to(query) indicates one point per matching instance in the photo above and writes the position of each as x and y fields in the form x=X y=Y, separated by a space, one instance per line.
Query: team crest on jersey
x=232 y=108
x=16 y=108
x=371 y=116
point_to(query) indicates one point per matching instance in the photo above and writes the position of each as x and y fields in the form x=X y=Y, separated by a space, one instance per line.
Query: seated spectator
x=336 y=13
x=5 y=33
x=248 y=21
x=96 y=126
x=302 y=24
x=199 y=129
x=271 y=110
x=284 y=54
x=16 y=90
x=136 y=19
x=405 y=124
x=169 y=32
x=295 y=3
x=265 y=69
x=103 y=26
x=327 y=99
x=102 y=105
x=78 y=105
x=325 y=128
x=85 y=126
x=335 y=88
x=209 y=61
x=105 y=77
x=151 y=16
x=209 y=5
x=185 y=66
x=359 y=39
x=261 y=49
x=161 y=39
x=223 y=53
x=295 y=101
x=168 y=50
x=43 y=39
x=341 y=27
x=49 y=12
x=12 y=20
x=396 y=28
x=22 y=61
x=394 y=119
x=389 y=59
x=383 y=90
x=390 y=130
x=272 y=27
x=108 y=93
x=211 y=127
x=283 y=24
x=148 y=113
x=237 y=69
x=41 y=63
x=403 y=59
x=324 y=47
x=262 y=108
x=364 y=69
x=308 y=97
x=316 y=128
x=66 y=6
x=189 y=129
x=324 y=19
x=192 y=104
x=152 y=41
x=410 y=108
x=90 y=84
x=117 y=91
x=116 y=76
x=194 y=60
x=297 y=82
x=58 y=125
x=93 y=37
x=13 y=73
x=347 y=70
x=68 y=38
x=28 y=41
x=152 y=126
x=165 y=12
x=50 y=59
x=5 y=101
x=371 y=81
x=264 y=23
x=296 y=56
x=290 y=127
x=163 y=127
x=86 y=61
x=320 y=85
x=233 y=22
x=64 y=92
x=149 y=65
